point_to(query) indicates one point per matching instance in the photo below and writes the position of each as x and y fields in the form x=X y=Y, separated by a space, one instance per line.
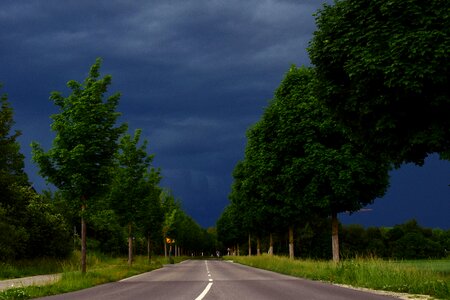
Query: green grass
x=427 y=277
x=101 y=269
x=26 y=268
x=435 y=265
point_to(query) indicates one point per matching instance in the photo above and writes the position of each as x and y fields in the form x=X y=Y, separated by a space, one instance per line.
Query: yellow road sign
x=170 y=241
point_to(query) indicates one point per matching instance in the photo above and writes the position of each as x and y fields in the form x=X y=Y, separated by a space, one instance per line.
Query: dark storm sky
x=194 y=75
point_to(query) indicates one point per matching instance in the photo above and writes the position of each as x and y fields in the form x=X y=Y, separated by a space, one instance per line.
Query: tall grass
x=30 y=267
x=373 y=273
x=101 y=269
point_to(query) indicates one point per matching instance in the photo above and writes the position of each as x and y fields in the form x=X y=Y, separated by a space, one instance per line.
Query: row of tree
x=376 y=97
x=103 y=175
x=403 y=241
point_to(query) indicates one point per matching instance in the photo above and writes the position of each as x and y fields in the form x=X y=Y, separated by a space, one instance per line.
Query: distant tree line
x=377 y=96
x=312 y=241
x=404 y=241
x=104 y=178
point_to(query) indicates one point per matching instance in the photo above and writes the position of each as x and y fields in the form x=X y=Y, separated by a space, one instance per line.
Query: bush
x=48 y=233
x=13 y=239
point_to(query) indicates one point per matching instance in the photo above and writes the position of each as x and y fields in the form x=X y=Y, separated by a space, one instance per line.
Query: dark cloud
x=194 y=75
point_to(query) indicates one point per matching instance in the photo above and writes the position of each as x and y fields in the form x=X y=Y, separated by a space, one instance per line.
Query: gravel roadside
x=27 y=281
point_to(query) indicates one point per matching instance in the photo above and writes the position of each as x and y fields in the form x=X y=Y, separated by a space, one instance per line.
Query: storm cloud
x=194 y=75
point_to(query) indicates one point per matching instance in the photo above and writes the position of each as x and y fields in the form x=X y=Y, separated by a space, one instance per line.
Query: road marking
x=135 y=276
x=206 y=290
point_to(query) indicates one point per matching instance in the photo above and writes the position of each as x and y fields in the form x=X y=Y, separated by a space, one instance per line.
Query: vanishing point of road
x=215 y=279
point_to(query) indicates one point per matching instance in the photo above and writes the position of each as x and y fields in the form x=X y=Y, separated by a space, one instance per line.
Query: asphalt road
x=213 y=279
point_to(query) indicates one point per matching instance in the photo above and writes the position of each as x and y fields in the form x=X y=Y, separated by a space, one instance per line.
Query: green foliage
x=38 y=266
x=13 y=237
x=229 y=232
x=107 y=234
x=178 y=226
x=320 y=162
x=82 y=154
x=111 y=180
x=152 y=216
x=383 y=69
x=170 y=208
x=129 y=188
x=48 y=232
x=300 y=164
x=16 y=294
x=134 y=193
x=11 y=160
x=404 y=241
x=42 y=232
x=28 y=226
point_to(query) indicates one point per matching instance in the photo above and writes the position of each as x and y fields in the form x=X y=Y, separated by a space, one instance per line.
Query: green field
x=437 y=266
x=427 y=277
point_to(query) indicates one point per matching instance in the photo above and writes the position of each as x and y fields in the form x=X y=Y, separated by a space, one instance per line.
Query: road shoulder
x=28 y=281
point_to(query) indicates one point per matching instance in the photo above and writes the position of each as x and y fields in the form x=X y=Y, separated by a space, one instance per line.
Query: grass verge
x=412 y=277
x=24 y=268
x=101 y=269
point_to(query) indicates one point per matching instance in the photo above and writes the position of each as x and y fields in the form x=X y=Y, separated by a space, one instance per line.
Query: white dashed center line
x=206 y=290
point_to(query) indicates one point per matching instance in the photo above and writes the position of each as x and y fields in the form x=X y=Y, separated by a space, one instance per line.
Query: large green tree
x=329 y=173
x=247 y=202
x=11 y=160
x=132 y=184
x=303 y=165
x=151 y=217
x=13 y=184
x=383 y=69
x=170 y=207
x=82 y=154
x=229 y=232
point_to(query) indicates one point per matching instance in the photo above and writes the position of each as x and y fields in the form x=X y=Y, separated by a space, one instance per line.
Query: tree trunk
x=83 y=240
x=130 y=245
x=165 y=249
x=258 y=246
x=238 y=251
x=270 y=244
x=291 y=242
x=335 y=236
x=249 y=245
x=149 y=248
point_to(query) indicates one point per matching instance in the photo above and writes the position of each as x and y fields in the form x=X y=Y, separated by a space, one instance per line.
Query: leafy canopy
x=383 y=69
x=86 y=137
x=11 y=160
x=133 y=180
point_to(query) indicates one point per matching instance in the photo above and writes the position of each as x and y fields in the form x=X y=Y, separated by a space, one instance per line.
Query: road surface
x=214 y=279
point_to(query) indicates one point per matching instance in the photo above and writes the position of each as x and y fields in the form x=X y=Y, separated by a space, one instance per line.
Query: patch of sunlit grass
x=415 y=277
